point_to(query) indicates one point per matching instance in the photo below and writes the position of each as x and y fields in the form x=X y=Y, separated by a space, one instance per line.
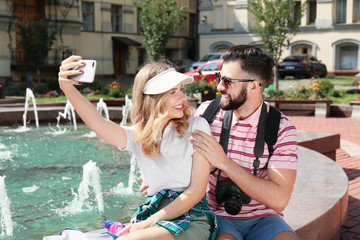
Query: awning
x=126 y=41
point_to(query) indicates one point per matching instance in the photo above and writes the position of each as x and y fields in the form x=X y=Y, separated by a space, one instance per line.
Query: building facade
x=329 y=30
x=107 y=31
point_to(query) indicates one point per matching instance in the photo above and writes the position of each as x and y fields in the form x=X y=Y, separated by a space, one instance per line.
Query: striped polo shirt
x=241 y=145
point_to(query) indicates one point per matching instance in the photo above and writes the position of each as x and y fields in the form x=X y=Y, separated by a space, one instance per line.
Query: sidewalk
x=348 y=157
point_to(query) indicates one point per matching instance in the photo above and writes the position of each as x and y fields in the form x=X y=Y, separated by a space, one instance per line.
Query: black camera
x=226 y=191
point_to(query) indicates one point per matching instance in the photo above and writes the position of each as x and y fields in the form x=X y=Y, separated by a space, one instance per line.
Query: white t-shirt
x=172 y=168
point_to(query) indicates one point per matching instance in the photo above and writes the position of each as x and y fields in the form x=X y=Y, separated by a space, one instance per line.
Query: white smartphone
x=89 y=72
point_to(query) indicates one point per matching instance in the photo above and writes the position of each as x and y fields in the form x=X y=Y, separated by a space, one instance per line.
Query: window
x=356 y=10
x=192 y=24
x=139 y=28
x=296 y=10
x=311 y=12
x=69 y=2
x=348 y=57
x=210 y=67
x=116 y=18
x=88 y=16
x=341 y=11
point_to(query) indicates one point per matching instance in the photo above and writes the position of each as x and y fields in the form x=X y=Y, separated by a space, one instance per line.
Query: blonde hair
x=148 y=112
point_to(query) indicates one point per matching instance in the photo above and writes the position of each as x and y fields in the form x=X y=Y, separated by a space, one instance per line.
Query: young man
x=245 y=73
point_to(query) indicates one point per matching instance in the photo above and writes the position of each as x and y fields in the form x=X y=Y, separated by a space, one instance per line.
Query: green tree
x=36 y=41
x=158 y=20
x=277 y=22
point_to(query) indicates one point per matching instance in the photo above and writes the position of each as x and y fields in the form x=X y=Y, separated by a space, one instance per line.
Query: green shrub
x=275 y=94
x=336 y=93
x=320 y=89
x=40 y=88
x=129 y=92
x=17 y=90
x=53 y=84
x=199 y=86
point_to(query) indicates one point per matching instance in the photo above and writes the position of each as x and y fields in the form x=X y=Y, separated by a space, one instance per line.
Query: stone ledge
x=304 y=107
x=46 y=114
x=324 y=143
x=355 y=113
x=318 y=205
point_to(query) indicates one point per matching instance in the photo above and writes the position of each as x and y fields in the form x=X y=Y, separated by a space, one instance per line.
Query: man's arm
x=274 y=192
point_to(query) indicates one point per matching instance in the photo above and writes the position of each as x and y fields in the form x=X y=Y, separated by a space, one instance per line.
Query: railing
x=56 y=55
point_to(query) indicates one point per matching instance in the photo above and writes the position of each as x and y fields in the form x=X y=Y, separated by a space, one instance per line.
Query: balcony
x=56 y=55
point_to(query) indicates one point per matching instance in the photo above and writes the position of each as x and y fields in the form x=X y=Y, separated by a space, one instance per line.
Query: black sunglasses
x=228 y=82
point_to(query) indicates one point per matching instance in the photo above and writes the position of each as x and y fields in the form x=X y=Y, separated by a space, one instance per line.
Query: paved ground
x=348 y=157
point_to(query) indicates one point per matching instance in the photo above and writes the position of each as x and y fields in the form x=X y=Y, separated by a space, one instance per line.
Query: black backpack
x=267 y=129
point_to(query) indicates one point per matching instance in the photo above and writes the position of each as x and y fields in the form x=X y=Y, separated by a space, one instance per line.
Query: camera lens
x=232 y=205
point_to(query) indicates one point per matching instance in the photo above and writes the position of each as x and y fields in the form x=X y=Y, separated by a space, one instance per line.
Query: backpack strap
x=210 y=113
x=267 y=131
x=211 y=110
x=260 y=137
x=272 y=130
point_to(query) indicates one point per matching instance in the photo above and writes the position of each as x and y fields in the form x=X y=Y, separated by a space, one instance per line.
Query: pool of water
x=43 y=169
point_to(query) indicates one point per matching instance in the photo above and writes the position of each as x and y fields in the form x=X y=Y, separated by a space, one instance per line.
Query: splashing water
x=132 y=174
x=69 y=112
x=29 y=95
x=6 y=222
x=133 y=163
x=91 y=177
x=126 y=110
x=38 y=200
x=102 y=107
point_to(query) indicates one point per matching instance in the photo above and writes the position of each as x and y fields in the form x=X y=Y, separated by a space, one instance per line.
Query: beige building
x=107 y=31
x=329 y=30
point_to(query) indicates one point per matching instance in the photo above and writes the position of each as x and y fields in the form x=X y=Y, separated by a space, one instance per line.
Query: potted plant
x=207 y=90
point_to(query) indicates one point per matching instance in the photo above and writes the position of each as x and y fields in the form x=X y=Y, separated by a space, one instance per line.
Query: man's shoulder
x=201 y=109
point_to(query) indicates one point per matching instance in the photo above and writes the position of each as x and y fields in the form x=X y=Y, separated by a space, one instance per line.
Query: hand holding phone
x=88 y=74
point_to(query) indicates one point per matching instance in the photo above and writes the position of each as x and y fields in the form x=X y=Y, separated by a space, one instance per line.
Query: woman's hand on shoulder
x=66 y=70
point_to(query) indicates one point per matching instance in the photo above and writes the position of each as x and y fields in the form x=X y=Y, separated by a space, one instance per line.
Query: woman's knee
x=225 y=236
x=287 y=235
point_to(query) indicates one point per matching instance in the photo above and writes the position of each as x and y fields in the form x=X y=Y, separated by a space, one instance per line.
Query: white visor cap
x=165 y=81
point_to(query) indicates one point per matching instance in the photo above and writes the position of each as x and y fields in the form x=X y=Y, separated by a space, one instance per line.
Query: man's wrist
x=225 y=164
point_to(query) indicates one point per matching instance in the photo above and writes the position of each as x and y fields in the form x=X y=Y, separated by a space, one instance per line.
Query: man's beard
x=234 y=104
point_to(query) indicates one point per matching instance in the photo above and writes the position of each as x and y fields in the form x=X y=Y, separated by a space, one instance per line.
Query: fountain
x=102 y=107
x=45 y=201
x=132 y=174
x=133 y=163
x=91 y=177
x=69 y=112
x=126 y=110
x=6 y=223
x=30 y=94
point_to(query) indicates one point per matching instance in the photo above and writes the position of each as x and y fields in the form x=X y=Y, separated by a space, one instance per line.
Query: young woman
x=160 y=139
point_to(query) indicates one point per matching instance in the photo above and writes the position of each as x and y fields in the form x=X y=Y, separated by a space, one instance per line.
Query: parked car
x=207 y=70
x=206 y=58
x=301 y=66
